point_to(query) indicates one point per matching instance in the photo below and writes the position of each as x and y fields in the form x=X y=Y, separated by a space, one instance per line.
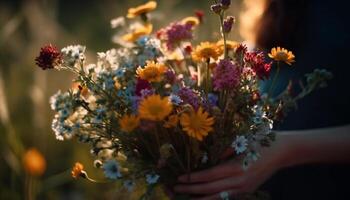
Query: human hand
x=230 y=176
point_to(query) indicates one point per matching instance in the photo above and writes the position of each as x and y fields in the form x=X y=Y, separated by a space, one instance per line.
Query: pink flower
x=175 y=33
x=226 y=75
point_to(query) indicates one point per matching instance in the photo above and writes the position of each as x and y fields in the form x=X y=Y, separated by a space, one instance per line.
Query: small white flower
x=117 y=22
x=73 y=53
x=111 y=169
x=129 y=185
x=240 y=144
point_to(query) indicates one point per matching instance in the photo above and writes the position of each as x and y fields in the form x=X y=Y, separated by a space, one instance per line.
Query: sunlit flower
x=256 y=60
x=78 y=170
x=142 y=9
x=205 y=51
x=282 y=54
x=197 y=124
x=152 y=72
x=129 y=122
x=240 y=144
x=172 y=121
x=193 y=21
x=230 y=45
x=34 y=162
x=49 y=57
x=111 y=169
x=138 y=32
x=154 y=108
x=227 y=25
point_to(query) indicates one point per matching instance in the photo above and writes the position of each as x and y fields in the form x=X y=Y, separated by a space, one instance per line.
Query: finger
x=215 y=173
x=218 y=196
x=210 y=187
x=227 y=153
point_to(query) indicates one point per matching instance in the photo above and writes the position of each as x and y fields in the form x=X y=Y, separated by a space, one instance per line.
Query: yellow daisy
x=205 y=51
x=197 y=124
x=152 y=72
x=190 y=20
x=77 y=170
x=155 y=108
x=229 y=44
x=172 y=121
x=138 y=32
x=142 y=9
x=282 y=54
x=129 y=122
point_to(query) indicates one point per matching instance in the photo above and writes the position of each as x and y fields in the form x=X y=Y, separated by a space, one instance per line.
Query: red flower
x=49 y=57
x=256 y=60
x=199 y=14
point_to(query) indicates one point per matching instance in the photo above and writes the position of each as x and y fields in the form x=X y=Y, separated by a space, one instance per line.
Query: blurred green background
x=25 y=115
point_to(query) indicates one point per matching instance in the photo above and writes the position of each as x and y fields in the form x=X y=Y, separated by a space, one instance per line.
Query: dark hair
x=282 y=23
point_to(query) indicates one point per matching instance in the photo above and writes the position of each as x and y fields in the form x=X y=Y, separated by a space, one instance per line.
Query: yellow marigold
x=197 y=124
x=138 y=32
x=229 y=44
x=77 y=170
x=152 y=72
x=129 y=122
x=34 y=162
x=142 y=9
x=204 y=51
x=282 y=54
x=190 y=20
x=172 y=121
x=154 y=108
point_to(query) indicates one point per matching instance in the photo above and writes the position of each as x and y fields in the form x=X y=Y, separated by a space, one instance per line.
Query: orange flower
x=129 y=122
x=77 y=170
x=190 y=20
x=155 y=108
x=138 y=32
x=34 y=162
x=152 y=72
x=282 y=54
x=197 y=124
x=204 y=51
x=172 y=121
x=142 y=9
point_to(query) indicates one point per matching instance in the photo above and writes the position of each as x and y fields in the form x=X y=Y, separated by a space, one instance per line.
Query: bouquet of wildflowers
x=160 y=106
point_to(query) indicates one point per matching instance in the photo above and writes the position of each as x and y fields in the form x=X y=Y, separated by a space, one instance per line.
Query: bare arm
x=327 y=145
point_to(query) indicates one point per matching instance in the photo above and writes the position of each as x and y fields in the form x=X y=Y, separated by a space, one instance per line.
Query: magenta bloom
x=49 y=57
x=176 y=33
x=256 y=60
x=226 y=75
x=170 y=76
x=188 y=96
x=141 y=85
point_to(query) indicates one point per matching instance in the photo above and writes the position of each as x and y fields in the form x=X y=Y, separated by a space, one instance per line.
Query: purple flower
x=176 y=33
x=170 y=76
x=146 y=92
x=188 y=96
x=228 y=22
x=225 y=3
x=226 y=75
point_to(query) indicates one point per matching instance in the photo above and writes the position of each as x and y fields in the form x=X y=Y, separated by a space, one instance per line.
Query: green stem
x=223 y=34
x=274 y=81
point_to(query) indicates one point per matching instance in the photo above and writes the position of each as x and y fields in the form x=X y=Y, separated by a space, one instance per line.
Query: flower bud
x=216 y=8
x=228 y=22
x=225 y=4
